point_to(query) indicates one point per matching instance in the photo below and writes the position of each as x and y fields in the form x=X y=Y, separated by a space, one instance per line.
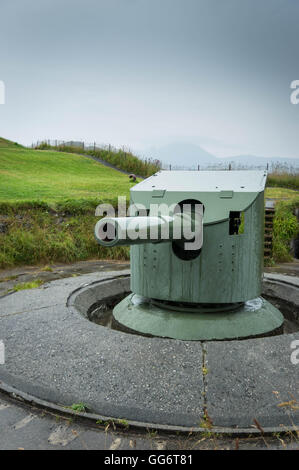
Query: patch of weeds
x=208 y=434
x=269 y=262
x=47 y=268
x=80 y=407
x=203 y=424
x=109 y=424
x=206 y=421
x=123 y=422
x=27 y=285
x=205 y=370
x=152 y=433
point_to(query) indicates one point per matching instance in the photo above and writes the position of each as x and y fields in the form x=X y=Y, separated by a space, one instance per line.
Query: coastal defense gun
x=196 y=241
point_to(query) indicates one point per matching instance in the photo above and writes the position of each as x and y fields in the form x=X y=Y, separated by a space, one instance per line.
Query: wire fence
x=78 y=144
x=271 y=166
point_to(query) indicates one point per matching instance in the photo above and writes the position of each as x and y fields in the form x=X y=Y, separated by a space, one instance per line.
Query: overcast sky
x=144 y=73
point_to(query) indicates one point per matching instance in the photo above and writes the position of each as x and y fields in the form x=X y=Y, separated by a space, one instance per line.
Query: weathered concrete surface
x=54 y=353
x=247 y=380
x=9 y=278
x=283 y=287
x=293 y=280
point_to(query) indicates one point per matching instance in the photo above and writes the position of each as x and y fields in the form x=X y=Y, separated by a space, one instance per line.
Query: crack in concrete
x=204 y=370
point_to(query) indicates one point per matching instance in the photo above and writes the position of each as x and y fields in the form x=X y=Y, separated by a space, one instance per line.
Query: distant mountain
x=183 y=154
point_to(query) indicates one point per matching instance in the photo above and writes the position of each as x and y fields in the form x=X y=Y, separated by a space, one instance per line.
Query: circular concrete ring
x=238 y=378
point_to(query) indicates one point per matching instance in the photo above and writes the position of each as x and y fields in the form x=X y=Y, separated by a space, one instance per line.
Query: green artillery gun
x=196 y=256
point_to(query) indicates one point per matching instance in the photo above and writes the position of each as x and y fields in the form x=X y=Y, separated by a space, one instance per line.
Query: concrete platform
x=53 y=353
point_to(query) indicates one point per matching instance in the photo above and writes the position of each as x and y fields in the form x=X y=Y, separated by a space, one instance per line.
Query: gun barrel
x=118 y=231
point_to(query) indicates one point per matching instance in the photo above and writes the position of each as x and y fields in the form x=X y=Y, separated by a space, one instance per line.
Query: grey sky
x=145 y=73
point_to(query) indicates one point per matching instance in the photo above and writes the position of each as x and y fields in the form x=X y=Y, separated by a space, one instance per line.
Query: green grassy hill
x=4 y=143
x=47 y=204
x=27 y=174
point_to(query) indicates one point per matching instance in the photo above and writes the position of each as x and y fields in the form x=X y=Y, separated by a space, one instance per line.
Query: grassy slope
x=72 y=185
x=47 y=175
x=124 y=160
x=9 y=144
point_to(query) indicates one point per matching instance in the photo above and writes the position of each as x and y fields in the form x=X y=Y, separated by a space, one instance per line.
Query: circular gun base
x=254 y=318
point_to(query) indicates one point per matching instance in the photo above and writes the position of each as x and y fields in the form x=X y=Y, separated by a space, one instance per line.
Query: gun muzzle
x=119 y=231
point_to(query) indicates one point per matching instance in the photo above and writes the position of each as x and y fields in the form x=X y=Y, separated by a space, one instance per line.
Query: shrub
x=285 y=228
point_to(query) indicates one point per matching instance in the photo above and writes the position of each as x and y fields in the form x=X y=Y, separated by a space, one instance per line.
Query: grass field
x=51 y=176
x=282 y=194
x=47 y=203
